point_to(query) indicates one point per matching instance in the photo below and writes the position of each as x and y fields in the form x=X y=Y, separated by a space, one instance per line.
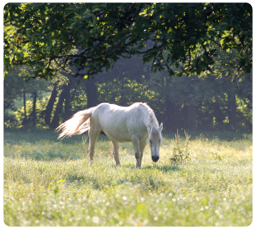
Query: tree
x=15 y=88
x=12 y=89
x=48 y=111
x=92 y=36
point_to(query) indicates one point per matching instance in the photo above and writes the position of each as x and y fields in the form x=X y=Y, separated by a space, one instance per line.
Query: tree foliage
x=50 y=37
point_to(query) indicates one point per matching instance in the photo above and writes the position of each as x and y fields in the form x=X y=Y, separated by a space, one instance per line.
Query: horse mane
x=152 y=118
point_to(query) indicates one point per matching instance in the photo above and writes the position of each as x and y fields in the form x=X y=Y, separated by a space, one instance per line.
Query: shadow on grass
x=145 y=181
x=163 y=168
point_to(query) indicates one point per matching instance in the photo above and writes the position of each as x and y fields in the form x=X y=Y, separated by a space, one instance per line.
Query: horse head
x=155 y=139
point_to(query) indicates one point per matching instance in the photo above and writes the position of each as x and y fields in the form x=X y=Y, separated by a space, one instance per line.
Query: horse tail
x=78 y=124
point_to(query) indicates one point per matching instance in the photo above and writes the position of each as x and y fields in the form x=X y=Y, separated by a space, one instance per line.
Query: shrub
x=180 y=153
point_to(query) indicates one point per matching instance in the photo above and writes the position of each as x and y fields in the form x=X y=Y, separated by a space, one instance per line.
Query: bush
x=180 y=153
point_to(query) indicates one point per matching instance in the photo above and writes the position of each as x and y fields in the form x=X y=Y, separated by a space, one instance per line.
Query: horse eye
x=150 y=141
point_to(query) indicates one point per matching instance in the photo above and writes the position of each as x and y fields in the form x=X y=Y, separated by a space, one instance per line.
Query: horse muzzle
x=155 y=158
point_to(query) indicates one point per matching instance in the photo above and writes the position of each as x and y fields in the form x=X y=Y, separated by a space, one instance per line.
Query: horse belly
x=118 y=138
x=117 y=133
x=124 y=134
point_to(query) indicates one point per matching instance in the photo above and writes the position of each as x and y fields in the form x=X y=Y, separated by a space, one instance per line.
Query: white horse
x=134 y=123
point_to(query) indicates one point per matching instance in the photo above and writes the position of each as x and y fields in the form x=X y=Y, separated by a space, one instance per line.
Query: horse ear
x=160 y=127
x=148 y=128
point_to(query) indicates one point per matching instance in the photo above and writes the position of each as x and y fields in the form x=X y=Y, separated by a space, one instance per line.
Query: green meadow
x=48 y=182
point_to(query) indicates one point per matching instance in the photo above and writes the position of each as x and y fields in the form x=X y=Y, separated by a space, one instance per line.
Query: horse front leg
x=115 y=152
x=142 y=146
x=135 y=142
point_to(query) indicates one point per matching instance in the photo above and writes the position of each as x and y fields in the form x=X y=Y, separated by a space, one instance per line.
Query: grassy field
x=50 y=183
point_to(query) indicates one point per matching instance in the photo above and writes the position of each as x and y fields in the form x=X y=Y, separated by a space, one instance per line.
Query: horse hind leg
x=93 y=136
x=115 y=151
x=135 y=142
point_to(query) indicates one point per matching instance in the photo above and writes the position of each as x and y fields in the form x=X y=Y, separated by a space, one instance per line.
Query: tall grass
x=50 y=183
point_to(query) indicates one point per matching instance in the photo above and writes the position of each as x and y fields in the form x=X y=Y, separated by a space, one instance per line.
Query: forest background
x=216 y=97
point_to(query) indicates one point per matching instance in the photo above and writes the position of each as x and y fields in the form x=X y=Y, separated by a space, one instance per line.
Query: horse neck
x=149 y=116
x=152 y=119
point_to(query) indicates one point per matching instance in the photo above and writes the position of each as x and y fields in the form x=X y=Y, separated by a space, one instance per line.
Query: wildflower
x=170 y=194
x=95 y=219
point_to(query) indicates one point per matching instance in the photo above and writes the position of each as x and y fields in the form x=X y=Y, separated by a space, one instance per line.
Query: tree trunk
x=25 y=108
x=218 y=114
x=50 y=105
x=189 y=116
x=90 y=86
x=34 y=109
x=55 y=121
x=67 y=101
x=91 y=90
